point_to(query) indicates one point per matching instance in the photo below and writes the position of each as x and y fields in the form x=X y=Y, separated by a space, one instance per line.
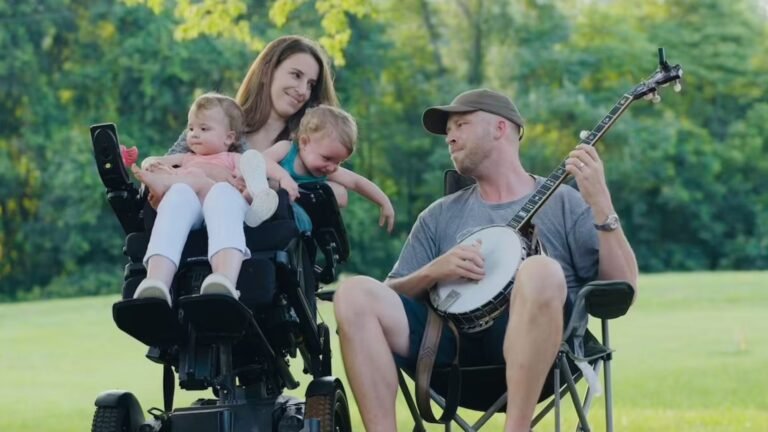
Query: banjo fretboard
x=523 y=217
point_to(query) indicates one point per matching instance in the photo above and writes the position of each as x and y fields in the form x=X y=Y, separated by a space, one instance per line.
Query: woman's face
x=292 y=84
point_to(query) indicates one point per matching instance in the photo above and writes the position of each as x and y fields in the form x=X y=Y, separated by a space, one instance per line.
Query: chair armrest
x=607 y=299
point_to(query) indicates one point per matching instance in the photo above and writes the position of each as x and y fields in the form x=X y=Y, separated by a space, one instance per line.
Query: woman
x=289 y=75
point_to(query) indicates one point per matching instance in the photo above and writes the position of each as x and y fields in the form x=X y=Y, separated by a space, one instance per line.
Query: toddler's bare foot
x=157 y=183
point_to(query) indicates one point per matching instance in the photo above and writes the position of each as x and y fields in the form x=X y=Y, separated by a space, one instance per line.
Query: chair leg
x=583 y=423
x=560 y=355
x=501 y=401
x=589 y=396
x=607 y=380
x=418 y=422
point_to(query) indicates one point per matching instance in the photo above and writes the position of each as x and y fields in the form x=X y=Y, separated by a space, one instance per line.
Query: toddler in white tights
x=189 y=195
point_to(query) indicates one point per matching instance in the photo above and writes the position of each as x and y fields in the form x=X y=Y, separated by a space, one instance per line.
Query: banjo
x=473 y=306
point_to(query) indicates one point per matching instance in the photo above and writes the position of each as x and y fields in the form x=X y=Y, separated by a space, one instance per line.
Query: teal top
x=288 y=163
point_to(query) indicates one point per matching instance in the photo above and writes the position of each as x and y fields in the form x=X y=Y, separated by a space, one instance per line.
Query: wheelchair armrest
x=328 y=231
x=607 y=299
x=122 y=194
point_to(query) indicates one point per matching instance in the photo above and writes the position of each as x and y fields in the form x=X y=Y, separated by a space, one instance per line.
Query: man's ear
x=501 y=128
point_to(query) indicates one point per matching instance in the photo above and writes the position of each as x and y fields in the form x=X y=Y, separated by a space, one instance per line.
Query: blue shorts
x=483 y=348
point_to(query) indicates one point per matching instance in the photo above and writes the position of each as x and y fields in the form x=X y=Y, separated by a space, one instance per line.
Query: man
x=579 y=230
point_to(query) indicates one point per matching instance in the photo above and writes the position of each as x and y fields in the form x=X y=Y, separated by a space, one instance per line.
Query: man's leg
x=534 y=334
x=372 y=325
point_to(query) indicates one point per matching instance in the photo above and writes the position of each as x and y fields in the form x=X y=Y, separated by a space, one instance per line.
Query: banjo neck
x=522 y=219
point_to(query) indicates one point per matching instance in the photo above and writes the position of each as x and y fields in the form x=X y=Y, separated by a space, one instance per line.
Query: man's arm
x=369 y=190
x=462 y=261
x=617 y=260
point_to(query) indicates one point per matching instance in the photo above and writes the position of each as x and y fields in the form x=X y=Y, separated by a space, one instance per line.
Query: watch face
x=613 y=221
x=610 y=224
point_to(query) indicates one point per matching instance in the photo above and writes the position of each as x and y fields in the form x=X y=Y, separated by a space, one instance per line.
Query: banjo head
x=503 y=251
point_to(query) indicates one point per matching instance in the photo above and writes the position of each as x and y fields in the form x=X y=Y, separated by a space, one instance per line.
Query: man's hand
x=462 y=261
x=585 y=166
x=387 y=216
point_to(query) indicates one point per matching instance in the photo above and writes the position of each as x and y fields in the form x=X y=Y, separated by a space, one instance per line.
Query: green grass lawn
x=691 y=356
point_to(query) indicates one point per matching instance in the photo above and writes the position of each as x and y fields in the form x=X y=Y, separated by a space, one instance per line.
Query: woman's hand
x=238 y=182
x=220 y=174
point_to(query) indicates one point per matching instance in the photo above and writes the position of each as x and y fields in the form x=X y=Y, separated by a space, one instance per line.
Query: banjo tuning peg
x=584 y=134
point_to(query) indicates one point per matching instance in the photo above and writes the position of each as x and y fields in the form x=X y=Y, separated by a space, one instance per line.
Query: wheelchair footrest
x=216 y=315
x=148 y=320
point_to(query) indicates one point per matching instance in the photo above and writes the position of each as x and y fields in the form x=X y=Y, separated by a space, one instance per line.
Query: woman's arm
x=369 y=190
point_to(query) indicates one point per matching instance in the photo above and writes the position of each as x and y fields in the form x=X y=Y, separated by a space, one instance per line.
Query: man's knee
x=352 y=299
x=541 y=279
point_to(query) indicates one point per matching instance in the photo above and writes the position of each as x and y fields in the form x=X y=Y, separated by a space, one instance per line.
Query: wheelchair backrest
x=454 y=182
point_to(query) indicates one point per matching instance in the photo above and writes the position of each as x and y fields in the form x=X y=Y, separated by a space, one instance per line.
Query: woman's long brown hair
x=254 y=92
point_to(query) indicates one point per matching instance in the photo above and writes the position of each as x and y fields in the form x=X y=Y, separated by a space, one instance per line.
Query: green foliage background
x=686 y=175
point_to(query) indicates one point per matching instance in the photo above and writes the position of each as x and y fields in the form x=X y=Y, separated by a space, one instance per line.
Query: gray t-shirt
x=564 y=226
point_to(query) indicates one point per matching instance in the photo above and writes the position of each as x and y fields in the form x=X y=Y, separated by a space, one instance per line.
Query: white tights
x=180 y=211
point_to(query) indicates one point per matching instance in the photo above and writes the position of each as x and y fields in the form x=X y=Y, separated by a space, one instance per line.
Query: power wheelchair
x=238 y=348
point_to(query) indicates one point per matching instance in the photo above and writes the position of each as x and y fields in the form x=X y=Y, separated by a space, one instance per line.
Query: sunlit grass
x=691 y=356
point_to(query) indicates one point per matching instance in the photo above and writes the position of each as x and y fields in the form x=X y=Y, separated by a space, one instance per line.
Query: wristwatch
x=610 y=224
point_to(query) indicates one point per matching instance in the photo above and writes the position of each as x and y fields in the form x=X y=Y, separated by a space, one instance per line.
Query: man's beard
x=469 y=162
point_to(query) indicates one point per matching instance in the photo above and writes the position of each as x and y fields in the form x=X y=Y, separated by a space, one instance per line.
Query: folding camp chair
x=581 y=355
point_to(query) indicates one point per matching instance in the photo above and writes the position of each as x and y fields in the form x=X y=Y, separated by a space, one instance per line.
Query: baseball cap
x=436 y=118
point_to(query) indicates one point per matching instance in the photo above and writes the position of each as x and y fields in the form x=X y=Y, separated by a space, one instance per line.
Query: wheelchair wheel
x=332 y=410
x=111 y=419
